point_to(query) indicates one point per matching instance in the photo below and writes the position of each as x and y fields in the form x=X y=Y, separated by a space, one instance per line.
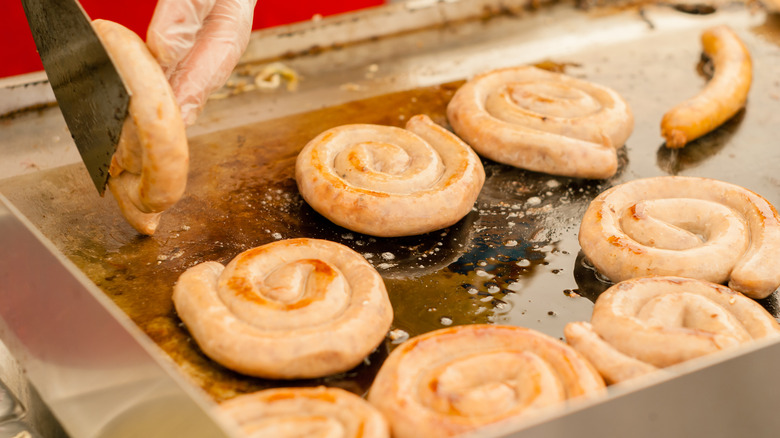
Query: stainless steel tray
x=241 y=194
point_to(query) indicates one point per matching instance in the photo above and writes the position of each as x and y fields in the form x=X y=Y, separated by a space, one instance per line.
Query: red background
x=17 y=49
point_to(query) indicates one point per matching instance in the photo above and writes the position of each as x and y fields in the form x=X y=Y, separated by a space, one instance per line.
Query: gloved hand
x=198 y=43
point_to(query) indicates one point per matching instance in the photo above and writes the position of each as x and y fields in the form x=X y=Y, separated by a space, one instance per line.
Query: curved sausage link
x=387 y=181
x=724 y=95
x=648 y=323
x=148 y=172
x=542 y=121
x=692 y=227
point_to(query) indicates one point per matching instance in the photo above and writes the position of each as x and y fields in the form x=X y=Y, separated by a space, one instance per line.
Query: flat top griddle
x=514 y=259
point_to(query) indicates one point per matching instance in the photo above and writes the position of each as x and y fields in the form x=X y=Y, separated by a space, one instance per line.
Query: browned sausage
x=388 y=181
x=692 y=227
x=647 y=323
x=297 y=308
x=542 y=121
x=724 y=95
x=149 y=169
x=451 y=381
x=305 y=412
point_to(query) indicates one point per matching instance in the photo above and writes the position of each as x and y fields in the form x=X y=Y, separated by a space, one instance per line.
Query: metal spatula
x=91 y=94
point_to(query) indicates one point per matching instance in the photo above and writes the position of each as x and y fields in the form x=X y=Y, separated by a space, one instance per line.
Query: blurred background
x=17 y=48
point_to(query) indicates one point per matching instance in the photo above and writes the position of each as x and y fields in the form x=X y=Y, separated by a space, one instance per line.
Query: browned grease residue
x=769 y=30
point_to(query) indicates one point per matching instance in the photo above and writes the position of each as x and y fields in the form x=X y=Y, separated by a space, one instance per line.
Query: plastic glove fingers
x=216 y=51
x=174 y=28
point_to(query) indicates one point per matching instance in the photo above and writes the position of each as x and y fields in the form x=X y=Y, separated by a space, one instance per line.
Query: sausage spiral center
x=385 y=159
x=308 y=292
x=519 y=381
x=548 y=106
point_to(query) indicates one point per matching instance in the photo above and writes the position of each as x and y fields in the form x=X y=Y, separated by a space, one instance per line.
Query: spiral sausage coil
x=387 y=181
x=686 y=226
x=542 y=121
x=305 y=412
x=644 y=324
x=297 y=308
x=454 y=380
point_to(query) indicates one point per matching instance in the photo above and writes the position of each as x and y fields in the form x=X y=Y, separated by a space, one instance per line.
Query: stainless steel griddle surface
x=514 y=259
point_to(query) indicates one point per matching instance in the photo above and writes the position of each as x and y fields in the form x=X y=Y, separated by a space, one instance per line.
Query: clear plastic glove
x=198 y=43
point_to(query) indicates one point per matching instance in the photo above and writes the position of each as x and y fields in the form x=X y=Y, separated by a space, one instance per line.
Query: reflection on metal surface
x=83 y=356
x=36 y=413
x=10 y=408
x=167 y=415
x=17 y=429
x=590 y=283
x=399 y=257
